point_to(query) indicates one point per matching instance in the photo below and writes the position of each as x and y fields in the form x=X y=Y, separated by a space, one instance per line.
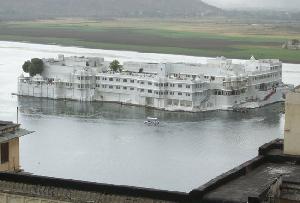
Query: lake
x=108 y=143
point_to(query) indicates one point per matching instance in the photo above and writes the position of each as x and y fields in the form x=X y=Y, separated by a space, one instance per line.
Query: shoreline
x=138 y=51
x=180 y=38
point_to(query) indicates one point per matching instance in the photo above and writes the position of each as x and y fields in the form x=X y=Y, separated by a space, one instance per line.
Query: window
x=142 y=90
x=4 y=152
x=118 y=79
x=180 y=85
x=149 y=83
x=188 y=94
x=156 y=84
x=111 y=79
x=124 y=80
x=118 y=87
x=124 y=88
x=132 y=81
x=103 y=86
x=131 y=88
x=179 y=93
x=149 y=91
x=142 y=82
x=188 y=86
x=111 y=87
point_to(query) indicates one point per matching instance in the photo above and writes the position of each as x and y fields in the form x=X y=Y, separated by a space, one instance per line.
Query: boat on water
x=151 y=121
x=219 y=84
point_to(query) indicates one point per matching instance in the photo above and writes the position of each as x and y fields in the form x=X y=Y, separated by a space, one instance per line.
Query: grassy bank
x=197 y=38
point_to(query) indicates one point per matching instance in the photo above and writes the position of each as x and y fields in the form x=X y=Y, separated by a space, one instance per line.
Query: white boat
x=151 y=121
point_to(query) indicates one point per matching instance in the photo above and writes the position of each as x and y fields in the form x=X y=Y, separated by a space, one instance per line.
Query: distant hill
x=277 y=5
x=99 y=9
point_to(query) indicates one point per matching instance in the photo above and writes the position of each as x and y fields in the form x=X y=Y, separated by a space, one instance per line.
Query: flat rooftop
x=255 y=180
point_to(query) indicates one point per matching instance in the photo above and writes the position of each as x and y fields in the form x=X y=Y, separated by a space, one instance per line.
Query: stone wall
x=24 y=188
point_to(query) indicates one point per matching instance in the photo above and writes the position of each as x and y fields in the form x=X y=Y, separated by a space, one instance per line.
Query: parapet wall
x=21 y=187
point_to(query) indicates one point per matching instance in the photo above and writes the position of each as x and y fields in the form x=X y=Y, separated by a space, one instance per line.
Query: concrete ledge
x=227 y=177
x=266 y=148
x=95 y=187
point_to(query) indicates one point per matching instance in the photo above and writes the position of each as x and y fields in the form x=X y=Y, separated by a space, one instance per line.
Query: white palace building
x=217 y=84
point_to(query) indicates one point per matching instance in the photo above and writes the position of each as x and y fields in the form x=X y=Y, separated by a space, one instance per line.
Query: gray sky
x=268 y=4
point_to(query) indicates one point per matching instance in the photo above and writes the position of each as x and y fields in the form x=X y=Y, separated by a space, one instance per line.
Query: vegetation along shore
x=209 y=37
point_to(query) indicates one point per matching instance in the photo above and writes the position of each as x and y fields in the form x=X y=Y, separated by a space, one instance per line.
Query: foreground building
x=292 y=121
x=218 y=84
x=9 y=145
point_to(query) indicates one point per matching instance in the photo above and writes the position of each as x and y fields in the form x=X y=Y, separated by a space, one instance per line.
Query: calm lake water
x=104 y=142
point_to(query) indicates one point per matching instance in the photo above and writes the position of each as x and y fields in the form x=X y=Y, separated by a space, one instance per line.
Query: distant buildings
x=292 y=44
x=9 y=145
x=217 y=84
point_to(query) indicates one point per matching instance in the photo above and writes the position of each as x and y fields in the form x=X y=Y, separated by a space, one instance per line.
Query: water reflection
x=30 y=106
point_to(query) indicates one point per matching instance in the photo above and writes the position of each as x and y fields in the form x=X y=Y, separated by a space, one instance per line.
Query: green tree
x=33 y=67
x=37 y=65
x=115 y=66
x=26 y=66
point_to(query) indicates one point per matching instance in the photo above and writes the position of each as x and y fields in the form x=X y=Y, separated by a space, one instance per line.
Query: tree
x=33 y=67
x=115 y=66
x=37 y=66
x=26 y=66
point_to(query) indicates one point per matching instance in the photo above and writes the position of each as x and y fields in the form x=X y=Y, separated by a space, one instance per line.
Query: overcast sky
x=268 y=4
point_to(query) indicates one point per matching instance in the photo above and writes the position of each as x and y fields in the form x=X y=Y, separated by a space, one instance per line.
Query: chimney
x=292 y=123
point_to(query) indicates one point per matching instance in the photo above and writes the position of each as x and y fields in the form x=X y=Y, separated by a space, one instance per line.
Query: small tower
x=9 y=146
x=292 y=123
